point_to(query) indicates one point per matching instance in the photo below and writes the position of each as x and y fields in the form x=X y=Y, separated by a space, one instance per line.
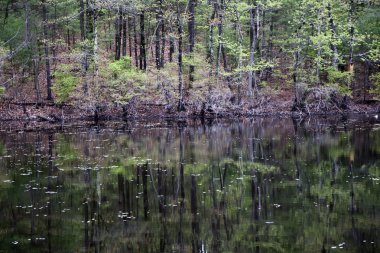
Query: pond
x=254 y=185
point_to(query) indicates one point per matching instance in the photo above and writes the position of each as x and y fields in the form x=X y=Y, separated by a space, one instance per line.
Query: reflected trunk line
x=49 y=188
x=138 y=193
x=145 y=191
x=85 y=214
x=161 y=194
x=352 y=194
x=128 y=197
x=194 y=212
x=257 y=205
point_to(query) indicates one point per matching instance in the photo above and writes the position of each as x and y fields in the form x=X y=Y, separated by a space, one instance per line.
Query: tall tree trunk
x=135 y=41
x=352 y=31
x=181 y=106
x=54 y=35
x=163 y=44
x=263 y=51
x=319 y=48
x=68 y=39
x=27 y=24
x=240 y=56
x=142 y=41
x=171 y=48
x=130 y=36
x=35 y=79
x=270 y=40
x=191 y=27
x=124 y=49
x=157 y=34
x=297 y=100
x=46 y=48
x=118 y=30
x=81 y=20
x=95 y=49
x=333 y=37
x=211 y=37
x=89 y=28
x=252 y=74
x=32 y=47
x=221 y=51
x=83 y=28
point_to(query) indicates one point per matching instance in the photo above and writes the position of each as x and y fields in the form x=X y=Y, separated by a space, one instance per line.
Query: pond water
x=260 y=185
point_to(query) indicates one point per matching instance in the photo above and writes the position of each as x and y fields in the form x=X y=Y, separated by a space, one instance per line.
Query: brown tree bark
x=135 y=42
x=124 y=48
x=142 y=42
x=181 y=106
x=251 y=73
x=46 y=49
x=157 y=34
x=191 y=28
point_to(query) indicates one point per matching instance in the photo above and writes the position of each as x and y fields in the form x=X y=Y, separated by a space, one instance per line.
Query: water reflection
x=263 y=185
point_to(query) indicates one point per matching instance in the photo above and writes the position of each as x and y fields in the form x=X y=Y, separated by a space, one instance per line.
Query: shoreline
x=56 y=114
x=49 y=117
x=47 y=122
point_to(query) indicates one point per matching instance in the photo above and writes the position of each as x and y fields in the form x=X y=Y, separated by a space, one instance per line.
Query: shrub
x=119 y=66
x=2 y=90
x=65 y=83
x=376 y=85
x=340 y=80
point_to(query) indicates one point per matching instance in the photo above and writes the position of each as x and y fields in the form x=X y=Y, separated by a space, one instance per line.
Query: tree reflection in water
x=262 y=185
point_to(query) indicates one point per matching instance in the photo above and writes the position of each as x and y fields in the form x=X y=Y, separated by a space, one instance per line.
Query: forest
x=134 y=58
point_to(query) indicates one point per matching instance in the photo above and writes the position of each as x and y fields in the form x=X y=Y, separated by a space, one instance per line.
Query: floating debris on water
x=50 y=192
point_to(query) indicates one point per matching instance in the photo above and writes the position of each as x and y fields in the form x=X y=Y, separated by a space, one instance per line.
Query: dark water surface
x=262 y=185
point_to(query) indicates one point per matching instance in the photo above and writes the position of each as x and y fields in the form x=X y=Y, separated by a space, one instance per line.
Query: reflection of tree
x=255 y=186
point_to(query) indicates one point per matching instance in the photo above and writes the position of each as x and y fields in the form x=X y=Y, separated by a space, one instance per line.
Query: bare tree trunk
x=270 y=40
x=31 y=46
x=135 y=41
x=211 y=37
x=240 y=56
x=54 y=35
x=333 y=35
x=252 y=74
x=35 y=79
x=81 y=20
x=297 y=100
x=118 y=31
x=83 y=33
x=124 y=49
x=46 y=48
x=191 y=27
x=171 y=48
x=130 y=36
x=142 y=42
x=95 y=49
x=163 y=44
x=319 y=51
x=181 y=106
x=27 y=23
x=352 y=31
x=157 y=34
x=221 y=50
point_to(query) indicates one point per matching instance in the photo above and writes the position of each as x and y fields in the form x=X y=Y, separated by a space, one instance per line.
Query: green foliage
x=2 y=90
x=126 y=81
x=341 y=79
x=376 y=85
x=120 y=66
x=259 y=65
x=65 y=83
